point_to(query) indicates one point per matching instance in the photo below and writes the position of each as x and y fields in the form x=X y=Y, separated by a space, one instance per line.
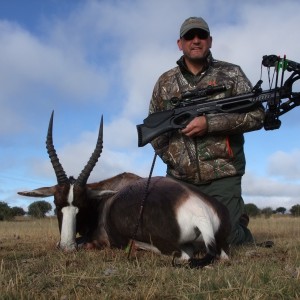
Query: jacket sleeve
x=235 y=123
x=161 y=143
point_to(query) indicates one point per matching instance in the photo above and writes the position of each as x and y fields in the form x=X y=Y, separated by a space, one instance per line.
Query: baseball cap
x=193 y=23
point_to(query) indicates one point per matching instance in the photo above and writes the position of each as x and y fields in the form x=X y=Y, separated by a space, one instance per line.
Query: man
x=208 y=153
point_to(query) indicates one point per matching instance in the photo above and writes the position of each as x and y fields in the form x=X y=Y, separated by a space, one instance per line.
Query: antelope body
x=176 y=220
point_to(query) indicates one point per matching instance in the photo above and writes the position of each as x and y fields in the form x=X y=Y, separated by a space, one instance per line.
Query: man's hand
x=197 y=127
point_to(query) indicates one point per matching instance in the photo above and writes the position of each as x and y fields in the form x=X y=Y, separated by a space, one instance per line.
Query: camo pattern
x=219 y=153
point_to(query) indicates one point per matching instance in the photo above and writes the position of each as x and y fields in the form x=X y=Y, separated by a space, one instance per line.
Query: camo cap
x=193 y=23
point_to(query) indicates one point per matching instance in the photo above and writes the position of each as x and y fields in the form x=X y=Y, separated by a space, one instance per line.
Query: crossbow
x=277 y=101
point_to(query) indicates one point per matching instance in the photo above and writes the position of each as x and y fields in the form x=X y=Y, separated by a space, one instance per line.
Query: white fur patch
x=223 y=255
x=68 y=227
x=71 y=195
x=195 y=215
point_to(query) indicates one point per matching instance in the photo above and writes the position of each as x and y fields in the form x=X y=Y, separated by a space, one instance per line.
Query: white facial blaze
x=68 y=227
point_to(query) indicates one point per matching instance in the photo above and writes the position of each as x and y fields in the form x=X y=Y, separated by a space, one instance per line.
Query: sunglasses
x=201 y=34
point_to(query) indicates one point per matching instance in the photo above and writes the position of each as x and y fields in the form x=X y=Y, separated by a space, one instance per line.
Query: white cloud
x=259 y=33
x=269 y=191
x=27 y=63
x=140 y=71
x=285 y=165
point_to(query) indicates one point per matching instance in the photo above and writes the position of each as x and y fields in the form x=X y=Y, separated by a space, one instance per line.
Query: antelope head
x=74 y=207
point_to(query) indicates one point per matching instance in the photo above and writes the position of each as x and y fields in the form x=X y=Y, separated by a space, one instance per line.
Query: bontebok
x=175 y=220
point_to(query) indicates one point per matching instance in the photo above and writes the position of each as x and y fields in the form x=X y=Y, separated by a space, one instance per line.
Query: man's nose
x=196 y=39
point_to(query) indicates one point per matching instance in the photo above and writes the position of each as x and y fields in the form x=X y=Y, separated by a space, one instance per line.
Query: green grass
x=32 y=268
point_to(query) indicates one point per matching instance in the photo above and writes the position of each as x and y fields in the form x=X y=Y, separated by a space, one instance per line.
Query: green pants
x=229 y=192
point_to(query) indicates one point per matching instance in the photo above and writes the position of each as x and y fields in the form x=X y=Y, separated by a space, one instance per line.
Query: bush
x=281 y=210
x=38 y=209
x=18 y=211
x=267 y=212
x=5 y=212
x=252 y=210
x=295 y=210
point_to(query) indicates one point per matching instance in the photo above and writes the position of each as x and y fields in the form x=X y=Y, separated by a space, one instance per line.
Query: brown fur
x=115 y=183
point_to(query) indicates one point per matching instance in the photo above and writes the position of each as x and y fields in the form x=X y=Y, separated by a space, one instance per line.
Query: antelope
x=176 y=220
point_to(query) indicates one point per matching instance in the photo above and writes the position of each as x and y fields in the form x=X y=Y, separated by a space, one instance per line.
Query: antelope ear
x=40 y=192
x=94 y=193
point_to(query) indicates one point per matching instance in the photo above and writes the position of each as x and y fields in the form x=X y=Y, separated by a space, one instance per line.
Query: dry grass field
x=32 y=268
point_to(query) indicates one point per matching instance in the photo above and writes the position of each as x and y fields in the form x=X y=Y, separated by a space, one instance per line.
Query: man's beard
x=198 y=60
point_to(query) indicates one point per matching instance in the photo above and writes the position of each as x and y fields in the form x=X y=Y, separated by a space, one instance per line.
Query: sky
x=85 y=59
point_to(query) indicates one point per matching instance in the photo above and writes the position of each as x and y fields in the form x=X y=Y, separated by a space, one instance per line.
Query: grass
x=32 y=268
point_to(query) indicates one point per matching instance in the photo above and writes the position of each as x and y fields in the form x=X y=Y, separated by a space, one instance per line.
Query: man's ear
x=179 y=44
x=210 y=37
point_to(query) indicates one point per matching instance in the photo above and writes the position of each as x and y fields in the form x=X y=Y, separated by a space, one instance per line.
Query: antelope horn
x=85 y=173
x=59 y=171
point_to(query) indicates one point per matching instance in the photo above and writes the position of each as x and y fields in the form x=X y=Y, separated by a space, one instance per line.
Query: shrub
x=38 y=209
x=252 y=210
x=295 y=210
x=5 y=212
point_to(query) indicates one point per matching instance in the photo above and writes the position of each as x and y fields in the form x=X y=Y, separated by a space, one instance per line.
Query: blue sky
x=83 y=59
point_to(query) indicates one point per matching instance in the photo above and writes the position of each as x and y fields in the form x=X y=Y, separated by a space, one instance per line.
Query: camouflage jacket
x=220 y=153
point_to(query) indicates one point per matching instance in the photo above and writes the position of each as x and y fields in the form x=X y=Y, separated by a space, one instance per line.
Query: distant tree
x=295 y=210
x=252 y=210
x=281 y=210
x=267 y=212
x=5 y=212
x=18 y=211
x=38 y=209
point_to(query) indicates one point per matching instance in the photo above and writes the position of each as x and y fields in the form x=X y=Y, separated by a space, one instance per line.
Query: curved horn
x=85 y=173
x=59 y=171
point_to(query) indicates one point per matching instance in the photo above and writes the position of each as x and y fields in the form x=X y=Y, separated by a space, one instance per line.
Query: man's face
x=195 y=45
